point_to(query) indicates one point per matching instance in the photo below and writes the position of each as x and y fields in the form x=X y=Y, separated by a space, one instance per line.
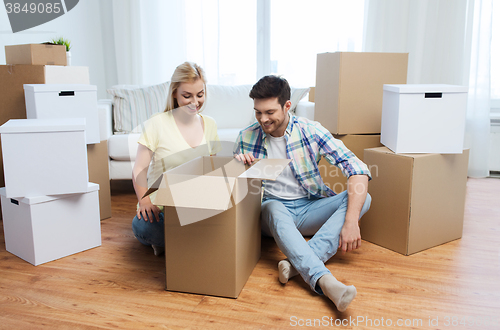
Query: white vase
x=68 y=58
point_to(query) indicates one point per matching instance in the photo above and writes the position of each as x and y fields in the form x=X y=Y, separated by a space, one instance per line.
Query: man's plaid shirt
x=306 y=142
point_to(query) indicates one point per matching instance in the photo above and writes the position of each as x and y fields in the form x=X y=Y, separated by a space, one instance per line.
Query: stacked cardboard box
x=50 y=209
x=348 y=101
x=420 y=183
x=45 y=101
x=424 y=118
x=34 y=70
x=332 y=175
x=36 y=54
x=417 y=199
x=349 y=86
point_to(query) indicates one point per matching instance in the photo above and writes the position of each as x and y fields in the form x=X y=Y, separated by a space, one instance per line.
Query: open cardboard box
x=212 y=222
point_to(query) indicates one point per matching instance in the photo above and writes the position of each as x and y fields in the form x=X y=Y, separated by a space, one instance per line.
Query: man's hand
x=245 y=158
x=147 y=209
x=350 y=237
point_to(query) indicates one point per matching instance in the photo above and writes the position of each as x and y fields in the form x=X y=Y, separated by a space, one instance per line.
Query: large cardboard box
x=45 y=101
x=332 y=175
x=44 y=157
x=40 y=229
x=418 y=200
x=98 y=164
x=349 y=88
x=12 y=78
x=36 y=54
x=424 y=118
x=311 y=94
x=212 y=223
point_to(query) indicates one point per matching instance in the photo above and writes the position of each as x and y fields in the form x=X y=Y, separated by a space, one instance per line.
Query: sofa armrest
x=105 y=111
x=305 y=109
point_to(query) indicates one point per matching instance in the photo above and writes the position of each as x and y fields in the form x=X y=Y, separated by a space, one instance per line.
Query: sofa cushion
x=123 y=146
x=133 y=105
x=297 y=94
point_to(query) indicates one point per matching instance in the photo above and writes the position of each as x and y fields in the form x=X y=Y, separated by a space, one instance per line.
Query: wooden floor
x=120 y=285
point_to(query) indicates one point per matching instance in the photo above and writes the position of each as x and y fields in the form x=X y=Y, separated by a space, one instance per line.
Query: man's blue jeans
x=149 y=233
x=288 y=221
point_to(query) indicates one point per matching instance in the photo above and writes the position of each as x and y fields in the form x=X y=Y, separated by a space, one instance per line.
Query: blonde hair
x=188 y=72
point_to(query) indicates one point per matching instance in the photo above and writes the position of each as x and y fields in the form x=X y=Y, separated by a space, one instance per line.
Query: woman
x=169 y=139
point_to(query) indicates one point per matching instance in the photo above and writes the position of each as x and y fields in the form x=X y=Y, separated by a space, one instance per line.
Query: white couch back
x=230 y=106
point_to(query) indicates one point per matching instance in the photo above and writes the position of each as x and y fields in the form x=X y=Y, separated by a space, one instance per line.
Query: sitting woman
x=169 y=139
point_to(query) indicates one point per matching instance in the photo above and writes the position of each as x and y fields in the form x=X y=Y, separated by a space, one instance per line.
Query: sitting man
x=298 y=203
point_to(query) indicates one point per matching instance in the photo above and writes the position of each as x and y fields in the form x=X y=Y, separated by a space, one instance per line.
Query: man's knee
x=272 y=213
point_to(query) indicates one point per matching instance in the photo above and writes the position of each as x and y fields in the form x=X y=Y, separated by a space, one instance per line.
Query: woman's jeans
x=322 y=218
x=149 y=233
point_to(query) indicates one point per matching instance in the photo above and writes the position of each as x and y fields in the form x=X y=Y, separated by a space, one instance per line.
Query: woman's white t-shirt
x=162 y=136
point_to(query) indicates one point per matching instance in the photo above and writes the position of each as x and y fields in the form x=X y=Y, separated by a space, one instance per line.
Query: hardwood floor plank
x=120 y=285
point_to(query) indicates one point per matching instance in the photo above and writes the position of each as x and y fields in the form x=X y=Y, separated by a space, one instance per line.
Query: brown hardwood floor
x=120 y=285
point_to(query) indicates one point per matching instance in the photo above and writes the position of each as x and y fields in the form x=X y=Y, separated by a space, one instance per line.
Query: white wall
x=84 y=27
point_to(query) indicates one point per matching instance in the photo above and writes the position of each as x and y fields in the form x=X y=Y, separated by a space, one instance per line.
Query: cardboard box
x=311 y=94
x=98 y=164
x=494 y=161
x=212 y=223
x=36 y=54
x=418 y=200
x=44 y=157
x=46 y=101
x=424 y=118
x=40 y=229
x=349 y=86
x=332 y=175
x=12 y=78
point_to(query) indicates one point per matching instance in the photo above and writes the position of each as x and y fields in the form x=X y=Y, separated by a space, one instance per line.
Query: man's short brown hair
x=271 y=86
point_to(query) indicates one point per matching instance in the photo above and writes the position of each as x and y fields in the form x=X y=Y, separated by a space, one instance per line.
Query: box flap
x=193 y=191
x=232 y=168
x=43 y=125
x=214 y=190
x=266 y=169
x=51 y=88
x=425 y=88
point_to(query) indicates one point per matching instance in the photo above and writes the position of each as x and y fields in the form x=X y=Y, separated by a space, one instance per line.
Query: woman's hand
x=147 y=209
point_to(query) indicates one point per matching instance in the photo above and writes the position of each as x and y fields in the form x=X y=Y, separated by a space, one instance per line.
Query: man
x=298 y=203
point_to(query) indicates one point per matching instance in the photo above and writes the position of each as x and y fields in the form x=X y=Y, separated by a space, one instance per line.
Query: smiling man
x=298 y=203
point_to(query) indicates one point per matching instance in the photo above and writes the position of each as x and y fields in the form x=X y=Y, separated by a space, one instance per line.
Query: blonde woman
x=169 y=139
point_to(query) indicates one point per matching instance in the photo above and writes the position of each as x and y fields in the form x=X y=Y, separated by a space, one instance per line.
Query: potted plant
x=67 y=44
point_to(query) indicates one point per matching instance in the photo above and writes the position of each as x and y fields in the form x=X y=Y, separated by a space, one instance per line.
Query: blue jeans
x=288 y=221
x=149 y=233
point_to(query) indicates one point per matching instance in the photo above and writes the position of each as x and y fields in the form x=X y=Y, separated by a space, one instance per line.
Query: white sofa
x=230 y=106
